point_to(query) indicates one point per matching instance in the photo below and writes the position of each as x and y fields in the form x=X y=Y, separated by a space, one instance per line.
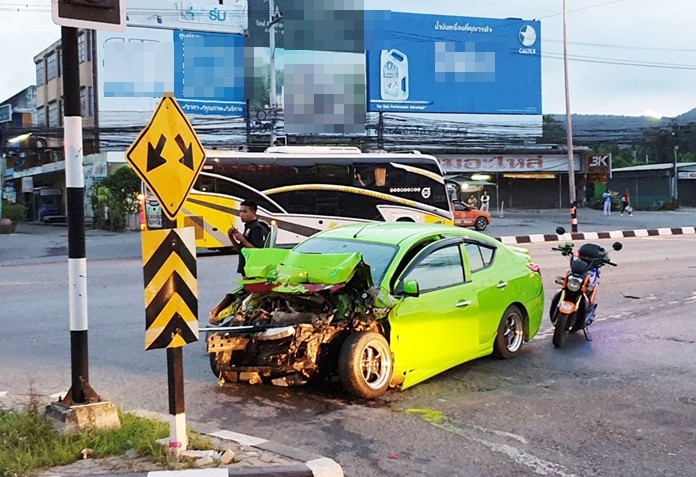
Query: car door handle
x=463 y=303
x=501 y=285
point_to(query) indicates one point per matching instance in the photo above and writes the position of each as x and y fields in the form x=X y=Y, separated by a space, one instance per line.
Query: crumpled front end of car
x=286 y=324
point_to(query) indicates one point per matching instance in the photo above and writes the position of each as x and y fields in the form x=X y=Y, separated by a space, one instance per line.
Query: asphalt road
x=623 y=404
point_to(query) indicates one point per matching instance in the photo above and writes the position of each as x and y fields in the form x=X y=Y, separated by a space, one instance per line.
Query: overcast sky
x=627 y=57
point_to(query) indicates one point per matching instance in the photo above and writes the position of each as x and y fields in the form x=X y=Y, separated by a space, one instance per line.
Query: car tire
x=481 y=224
x=365 y=364
x=559 y=333
x=510 y=336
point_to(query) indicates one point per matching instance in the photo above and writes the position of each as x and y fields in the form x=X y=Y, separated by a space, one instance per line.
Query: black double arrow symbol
x=154 y=154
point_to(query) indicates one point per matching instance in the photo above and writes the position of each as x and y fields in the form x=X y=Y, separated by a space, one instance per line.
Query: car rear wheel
x=510 y=336
x=365 y=364
x=481 y=224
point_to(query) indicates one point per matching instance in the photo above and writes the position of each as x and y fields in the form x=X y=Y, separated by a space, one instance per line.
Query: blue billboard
x=204 y=70
x=209 y=73
x=444 y=64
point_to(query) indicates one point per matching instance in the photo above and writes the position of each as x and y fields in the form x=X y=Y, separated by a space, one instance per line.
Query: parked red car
x=466 y=216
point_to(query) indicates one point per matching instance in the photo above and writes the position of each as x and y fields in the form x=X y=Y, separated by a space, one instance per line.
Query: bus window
x=332 y=174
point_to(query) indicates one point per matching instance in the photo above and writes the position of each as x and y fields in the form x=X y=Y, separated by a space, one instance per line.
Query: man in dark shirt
x=254 y=235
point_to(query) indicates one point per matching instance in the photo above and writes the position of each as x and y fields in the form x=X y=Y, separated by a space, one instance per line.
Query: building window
x=51 y=68
x=82 y=47
x=40 y=73
x=53 y=114
x=41 y=117
x=60 y=111
x=90 y=101
x=84 y=104
x=60 y=62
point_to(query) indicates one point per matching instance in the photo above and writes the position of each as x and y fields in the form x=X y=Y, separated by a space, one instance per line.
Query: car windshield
x=377 y=256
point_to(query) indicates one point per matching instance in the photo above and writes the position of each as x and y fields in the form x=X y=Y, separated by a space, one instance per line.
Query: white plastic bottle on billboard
x=393 y=75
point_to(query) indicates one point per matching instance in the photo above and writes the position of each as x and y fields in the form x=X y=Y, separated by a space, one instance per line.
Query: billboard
x=221 y=16
x=205 y=71
x=444 y=64
x=317 y=25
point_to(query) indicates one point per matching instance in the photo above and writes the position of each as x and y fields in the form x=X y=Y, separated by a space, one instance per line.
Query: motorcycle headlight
x=574 y=284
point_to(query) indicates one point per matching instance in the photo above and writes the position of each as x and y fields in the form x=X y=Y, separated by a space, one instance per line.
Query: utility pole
x=676 y=173
x=272 y=20
x=569 y=127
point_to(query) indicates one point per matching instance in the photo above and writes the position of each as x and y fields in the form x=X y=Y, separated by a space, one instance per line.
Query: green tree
x=114 y=198
x=553 y=132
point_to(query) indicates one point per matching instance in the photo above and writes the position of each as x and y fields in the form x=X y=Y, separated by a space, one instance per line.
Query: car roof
x=394 y=233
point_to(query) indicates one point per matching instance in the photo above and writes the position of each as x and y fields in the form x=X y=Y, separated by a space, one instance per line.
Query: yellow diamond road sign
x=168 y=156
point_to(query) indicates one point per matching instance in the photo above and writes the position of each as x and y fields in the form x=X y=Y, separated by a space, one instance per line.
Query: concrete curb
x=539 y=238
x=309 y=464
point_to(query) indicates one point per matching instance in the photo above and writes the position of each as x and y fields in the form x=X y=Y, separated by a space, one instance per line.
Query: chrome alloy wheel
x=514 y=332
x=376 y=364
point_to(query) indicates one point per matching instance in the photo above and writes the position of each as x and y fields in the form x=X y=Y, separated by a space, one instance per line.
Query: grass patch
x=29 y=442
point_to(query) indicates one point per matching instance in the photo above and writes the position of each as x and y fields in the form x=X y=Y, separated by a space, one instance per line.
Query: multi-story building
x=39 y=174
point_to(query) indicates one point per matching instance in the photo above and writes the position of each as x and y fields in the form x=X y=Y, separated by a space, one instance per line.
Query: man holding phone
x=254 y=235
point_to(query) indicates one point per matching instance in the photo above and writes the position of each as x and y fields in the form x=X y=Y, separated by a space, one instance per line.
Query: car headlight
x=574 y=283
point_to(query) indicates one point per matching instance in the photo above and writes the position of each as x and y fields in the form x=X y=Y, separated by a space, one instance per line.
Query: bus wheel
x=405 y=219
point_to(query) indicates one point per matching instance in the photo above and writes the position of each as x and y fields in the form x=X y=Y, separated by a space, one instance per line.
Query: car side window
x=479 y=255
x=442 y=268
x=459 y=208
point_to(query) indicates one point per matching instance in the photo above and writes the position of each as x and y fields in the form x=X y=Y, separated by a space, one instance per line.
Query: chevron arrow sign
x=171 y=287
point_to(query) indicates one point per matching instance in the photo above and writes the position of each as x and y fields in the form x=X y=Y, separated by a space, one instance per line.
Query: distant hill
x=687 y=117
x=607 y=128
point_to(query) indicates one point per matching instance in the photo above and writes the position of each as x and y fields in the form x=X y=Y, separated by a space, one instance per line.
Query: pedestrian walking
x=606 y=197
x=626 y=203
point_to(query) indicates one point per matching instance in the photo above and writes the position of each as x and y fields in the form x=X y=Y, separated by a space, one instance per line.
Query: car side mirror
x=411 y=288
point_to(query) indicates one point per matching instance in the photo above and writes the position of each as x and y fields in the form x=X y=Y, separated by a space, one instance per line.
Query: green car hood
x=286 y=271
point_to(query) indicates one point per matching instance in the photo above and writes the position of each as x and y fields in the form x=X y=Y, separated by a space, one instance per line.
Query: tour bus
x=305 y=189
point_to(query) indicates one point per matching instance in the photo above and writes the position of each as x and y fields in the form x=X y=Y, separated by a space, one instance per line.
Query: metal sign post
x=80 y=390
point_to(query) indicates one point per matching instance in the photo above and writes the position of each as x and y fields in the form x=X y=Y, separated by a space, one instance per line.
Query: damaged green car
x=378 y=306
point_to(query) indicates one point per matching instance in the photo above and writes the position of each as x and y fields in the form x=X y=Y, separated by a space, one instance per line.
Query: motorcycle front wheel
x=559 y=333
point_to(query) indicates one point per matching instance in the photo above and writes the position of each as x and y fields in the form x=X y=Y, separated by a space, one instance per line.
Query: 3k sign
x=168 y=156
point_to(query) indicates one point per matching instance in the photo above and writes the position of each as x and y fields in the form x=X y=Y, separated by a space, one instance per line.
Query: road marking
x=503 y=433
x=537 y=464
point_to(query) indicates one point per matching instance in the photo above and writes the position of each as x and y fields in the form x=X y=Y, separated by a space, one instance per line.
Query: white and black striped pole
x=80 y=390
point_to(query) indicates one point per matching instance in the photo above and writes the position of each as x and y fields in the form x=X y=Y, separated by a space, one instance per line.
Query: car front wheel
x=481 y=224
x=510 y=336
x=365 y=364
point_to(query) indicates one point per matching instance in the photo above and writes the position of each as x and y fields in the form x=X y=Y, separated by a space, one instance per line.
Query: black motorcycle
x=573 y=308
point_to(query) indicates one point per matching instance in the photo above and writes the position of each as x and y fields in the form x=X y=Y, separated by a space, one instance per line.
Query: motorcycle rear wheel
x=559 y=333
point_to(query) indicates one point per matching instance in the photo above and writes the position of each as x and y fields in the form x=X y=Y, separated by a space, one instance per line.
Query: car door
x=438 y=328
x=492 y=286
x=462 y=215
